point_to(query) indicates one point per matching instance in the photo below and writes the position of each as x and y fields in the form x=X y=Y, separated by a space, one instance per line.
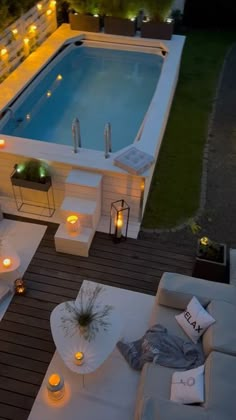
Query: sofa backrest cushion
x=176 y=290
x=221 y=335
x=220 y=374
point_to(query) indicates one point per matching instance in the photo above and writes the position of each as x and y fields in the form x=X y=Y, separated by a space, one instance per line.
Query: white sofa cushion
x=220 y=336
x=194 y=320
x=188 y=387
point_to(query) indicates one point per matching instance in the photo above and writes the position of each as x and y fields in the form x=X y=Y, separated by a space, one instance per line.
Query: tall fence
x=23 y=36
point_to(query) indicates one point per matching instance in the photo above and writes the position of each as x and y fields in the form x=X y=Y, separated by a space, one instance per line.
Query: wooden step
x=88 y=211
x=74 y=244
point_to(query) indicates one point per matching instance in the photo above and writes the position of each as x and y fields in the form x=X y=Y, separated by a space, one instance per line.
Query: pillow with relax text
x=194 y=320
x=188 y=387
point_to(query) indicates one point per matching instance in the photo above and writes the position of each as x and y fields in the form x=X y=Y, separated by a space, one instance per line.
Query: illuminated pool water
x=97 y=85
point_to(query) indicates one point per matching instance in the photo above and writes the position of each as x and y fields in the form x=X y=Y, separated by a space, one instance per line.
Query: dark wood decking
x=26 y=345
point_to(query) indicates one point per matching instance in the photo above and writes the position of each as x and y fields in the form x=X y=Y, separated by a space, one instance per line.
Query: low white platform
x=109 y=393
x=77 y=244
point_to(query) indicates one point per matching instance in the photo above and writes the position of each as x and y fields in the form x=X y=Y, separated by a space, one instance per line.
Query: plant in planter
x=157 y=25
x=86 y=16
x=120 y=16
x=211 y=261
x=86 y=315
x=32 y=174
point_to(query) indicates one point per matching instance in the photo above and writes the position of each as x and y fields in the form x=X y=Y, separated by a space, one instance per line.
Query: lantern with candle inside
x=55 y=387
x=7 y=262
x=72 y=224
x=20 y=287
x=79 y=358
x=119 y=220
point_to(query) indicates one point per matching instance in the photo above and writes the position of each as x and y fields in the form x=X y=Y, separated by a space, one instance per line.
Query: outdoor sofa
x=219 y=345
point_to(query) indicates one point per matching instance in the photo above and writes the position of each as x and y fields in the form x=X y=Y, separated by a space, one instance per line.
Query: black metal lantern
x=119 y=220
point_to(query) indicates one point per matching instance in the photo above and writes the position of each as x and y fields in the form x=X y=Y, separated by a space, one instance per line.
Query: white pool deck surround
x=116 y=182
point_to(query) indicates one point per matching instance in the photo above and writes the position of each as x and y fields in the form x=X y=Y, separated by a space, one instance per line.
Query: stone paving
x=217 y=209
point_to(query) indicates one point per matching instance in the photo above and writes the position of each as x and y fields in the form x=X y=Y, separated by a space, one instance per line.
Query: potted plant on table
x=85 y=15
x=33 y=174
x=211 y=261
x=157 y=24
x=120 y=16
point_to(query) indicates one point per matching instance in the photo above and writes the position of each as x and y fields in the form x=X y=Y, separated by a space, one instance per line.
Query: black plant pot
x=157 y=30
x=119 y=26
x=80 y=22
x=33 y=185
x=212 y=270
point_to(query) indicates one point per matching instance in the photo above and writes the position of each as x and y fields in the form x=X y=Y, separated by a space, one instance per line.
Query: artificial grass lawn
x=175 y=191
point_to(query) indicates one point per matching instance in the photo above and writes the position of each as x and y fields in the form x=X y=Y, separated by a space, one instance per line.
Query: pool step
x=88 y=211
x=76 y=244
x=83 y=192
x=84 y=184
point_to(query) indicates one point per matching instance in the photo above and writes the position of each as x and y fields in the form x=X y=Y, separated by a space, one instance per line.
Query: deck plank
x=26 y=345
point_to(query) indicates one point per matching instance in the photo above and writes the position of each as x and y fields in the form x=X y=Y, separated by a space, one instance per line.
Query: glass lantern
x=119 y=220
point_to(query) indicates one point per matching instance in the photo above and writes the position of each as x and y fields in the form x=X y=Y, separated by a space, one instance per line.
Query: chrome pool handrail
x=76 y=134
x=107 y=138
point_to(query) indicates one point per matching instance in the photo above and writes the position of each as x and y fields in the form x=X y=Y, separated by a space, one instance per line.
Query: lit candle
x=7 y=262
x=20 y=288
x=79 y=358
x=119 y=224
x=2 y=143
x=72 y=223
x=55 y=387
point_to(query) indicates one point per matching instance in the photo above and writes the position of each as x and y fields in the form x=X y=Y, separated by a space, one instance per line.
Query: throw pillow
x=188 y=387
x=194 y=320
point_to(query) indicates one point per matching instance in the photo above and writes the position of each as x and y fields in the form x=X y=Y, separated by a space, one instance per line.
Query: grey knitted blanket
x=162 y=348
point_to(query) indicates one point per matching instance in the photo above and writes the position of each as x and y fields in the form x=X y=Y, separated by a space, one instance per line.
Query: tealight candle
x=7 y=262
x=20 y=288
x=72 y=223
x=55 y=387
x=79 y=358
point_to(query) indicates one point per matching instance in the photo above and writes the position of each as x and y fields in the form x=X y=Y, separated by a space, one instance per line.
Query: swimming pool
x=95 y=84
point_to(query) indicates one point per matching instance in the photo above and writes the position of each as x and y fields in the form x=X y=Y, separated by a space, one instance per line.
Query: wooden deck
x=26 y=345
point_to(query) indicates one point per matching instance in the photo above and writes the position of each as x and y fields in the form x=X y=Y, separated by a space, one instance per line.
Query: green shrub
x=32 y=170
x=85 y=6
x=120 y=8
x=158 y=10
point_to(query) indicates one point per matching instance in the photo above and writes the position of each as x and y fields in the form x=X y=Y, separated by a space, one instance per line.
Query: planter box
x=212 y=270
x=119 y=26
x=24 y=183
x=157 y=30
x=87 y=23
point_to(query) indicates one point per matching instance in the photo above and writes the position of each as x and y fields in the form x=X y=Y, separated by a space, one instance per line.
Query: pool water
x=97 y=85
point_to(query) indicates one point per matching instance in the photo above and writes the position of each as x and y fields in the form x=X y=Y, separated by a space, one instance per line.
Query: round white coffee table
x=95 y=351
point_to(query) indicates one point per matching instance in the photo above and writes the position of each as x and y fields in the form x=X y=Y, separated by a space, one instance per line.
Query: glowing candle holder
x=55 y=387
x=2 y=143
x=119 y=220
x=7 y=262
x=20 y=287
x=72 y=224
x=79 y=358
